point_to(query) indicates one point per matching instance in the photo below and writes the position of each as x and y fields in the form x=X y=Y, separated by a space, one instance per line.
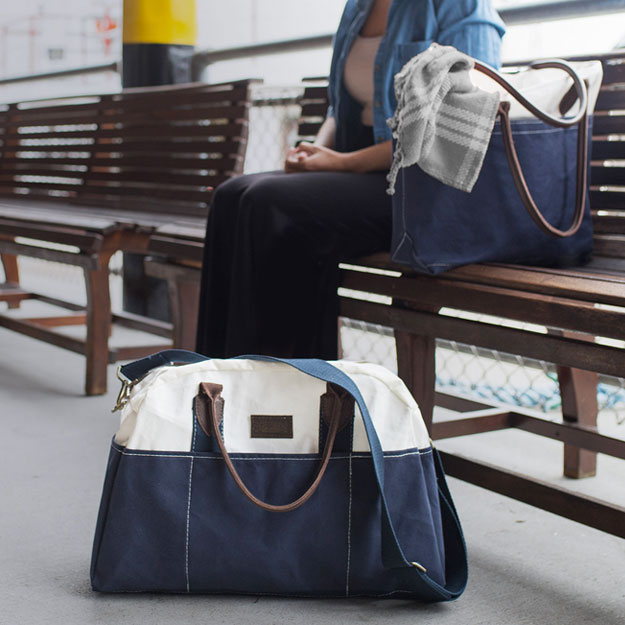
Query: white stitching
x=194 y=436
x=498 y=133
x=362 y=457
x=349 y=457
x=270 y=594
x=358 y=457
x=194 y=428
x=349 y=522
x=186 y=557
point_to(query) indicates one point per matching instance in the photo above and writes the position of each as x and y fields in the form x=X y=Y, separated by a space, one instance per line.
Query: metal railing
x=564 y=9
x=64 y=73
x=525 y=14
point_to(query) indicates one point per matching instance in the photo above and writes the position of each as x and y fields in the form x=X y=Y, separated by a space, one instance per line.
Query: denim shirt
x=471 y=26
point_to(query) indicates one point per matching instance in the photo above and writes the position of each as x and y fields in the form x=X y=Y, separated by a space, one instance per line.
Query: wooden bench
x=85 y=177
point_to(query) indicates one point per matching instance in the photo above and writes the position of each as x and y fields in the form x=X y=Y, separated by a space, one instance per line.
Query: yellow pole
x=158 y=43
x=170 y=22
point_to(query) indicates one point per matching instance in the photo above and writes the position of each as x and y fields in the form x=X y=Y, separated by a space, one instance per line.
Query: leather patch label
x=272 y=426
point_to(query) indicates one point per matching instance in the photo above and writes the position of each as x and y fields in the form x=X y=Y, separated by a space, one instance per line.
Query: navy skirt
x=273 y=245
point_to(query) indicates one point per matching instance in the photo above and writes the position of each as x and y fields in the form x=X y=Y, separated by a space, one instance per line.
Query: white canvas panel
x=159 y=415
x=544 y=88
x=393 y=410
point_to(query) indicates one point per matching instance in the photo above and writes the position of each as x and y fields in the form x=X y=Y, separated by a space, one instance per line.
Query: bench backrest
x=155 y=149
x=607 y=178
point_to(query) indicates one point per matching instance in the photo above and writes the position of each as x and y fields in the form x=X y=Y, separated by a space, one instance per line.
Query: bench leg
x=11 y=273
x=578 y=390
x=416 y=366
x=98 y=327
x=184 y=296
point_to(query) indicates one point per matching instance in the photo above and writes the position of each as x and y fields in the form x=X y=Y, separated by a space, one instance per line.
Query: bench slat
x=572 y=283
x=157 y=178
x=162 y=161
x=41 y=229
x=611 y=97
x=607 y=199
x=150 y=191
x=228 y=146
x=308 y=129
x=612 y=246
x=193 y=231
x=314 y=109
x=605 y=148
x=569 y=352
x=179 y=147
x=158 y=131
x=176 y=248
x=427 y=293
x=316 y=92
x=613 y=72
x=614 y=176
x=203 y=96
x=610 y=223
x=154 y=114
x=609 y=124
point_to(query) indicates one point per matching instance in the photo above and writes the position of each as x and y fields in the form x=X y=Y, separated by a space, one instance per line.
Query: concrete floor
x=527 y=566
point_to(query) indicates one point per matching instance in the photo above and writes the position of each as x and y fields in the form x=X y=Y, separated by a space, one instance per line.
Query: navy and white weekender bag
x=530 y=204
x=264 y=476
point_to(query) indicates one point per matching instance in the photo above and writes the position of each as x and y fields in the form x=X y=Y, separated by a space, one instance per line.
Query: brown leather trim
x=203 y=408
x=336 y=400
x=271 y=426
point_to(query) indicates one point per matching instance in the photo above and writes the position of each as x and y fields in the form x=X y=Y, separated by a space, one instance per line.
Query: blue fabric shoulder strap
x=456 y=568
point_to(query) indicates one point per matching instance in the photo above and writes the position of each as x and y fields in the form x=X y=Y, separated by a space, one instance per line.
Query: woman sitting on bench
x=274 y=240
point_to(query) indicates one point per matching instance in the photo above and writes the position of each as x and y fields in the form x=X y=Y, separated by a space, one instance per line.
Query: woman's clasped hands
x=311 y=157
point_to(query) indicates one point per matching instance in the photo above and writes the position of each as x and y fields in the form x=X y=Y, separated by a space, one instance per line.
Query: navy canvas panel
x=177 y=521
x=436 y=227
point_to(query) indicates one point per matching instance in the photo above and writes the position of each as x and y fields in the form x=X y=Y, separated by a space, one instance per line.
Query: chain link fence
x=273 y=127
x=477 y=373
x=482 y=374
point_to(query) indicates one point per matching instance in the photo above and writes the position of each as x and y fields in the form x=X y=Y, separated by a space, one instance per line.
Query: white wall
x=264 y=21
x=32 y=30
x=226 y=23
x=272 y=20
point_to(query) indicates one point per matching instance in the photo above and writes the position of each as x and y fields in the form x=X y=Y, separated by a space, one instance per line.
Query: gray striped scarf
x=442 y=121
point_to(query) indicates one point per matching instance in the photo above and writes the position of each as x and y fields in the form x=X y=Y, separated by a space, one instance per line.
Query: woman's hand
x=312 y=157
x=309 y=157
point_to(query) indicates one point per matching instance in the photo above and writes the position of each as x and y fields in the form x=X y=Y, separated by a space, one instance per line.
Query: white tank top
x=358 y=74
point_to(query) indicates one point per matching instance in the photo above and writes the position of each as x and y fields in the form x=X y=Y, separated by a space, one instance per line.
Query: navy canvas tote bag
x=263 y=476
x=530 y=204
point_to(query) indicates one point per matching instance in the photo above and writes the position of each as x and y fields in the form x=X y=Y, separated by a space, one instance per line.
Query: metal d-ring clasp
x=419 y=566
x=124 y=392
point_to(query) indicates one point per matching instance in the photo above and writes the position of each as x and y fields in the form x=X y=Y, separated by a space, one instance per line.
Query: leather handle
x=210 y=395
x=580 y=120
x=560 y=122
